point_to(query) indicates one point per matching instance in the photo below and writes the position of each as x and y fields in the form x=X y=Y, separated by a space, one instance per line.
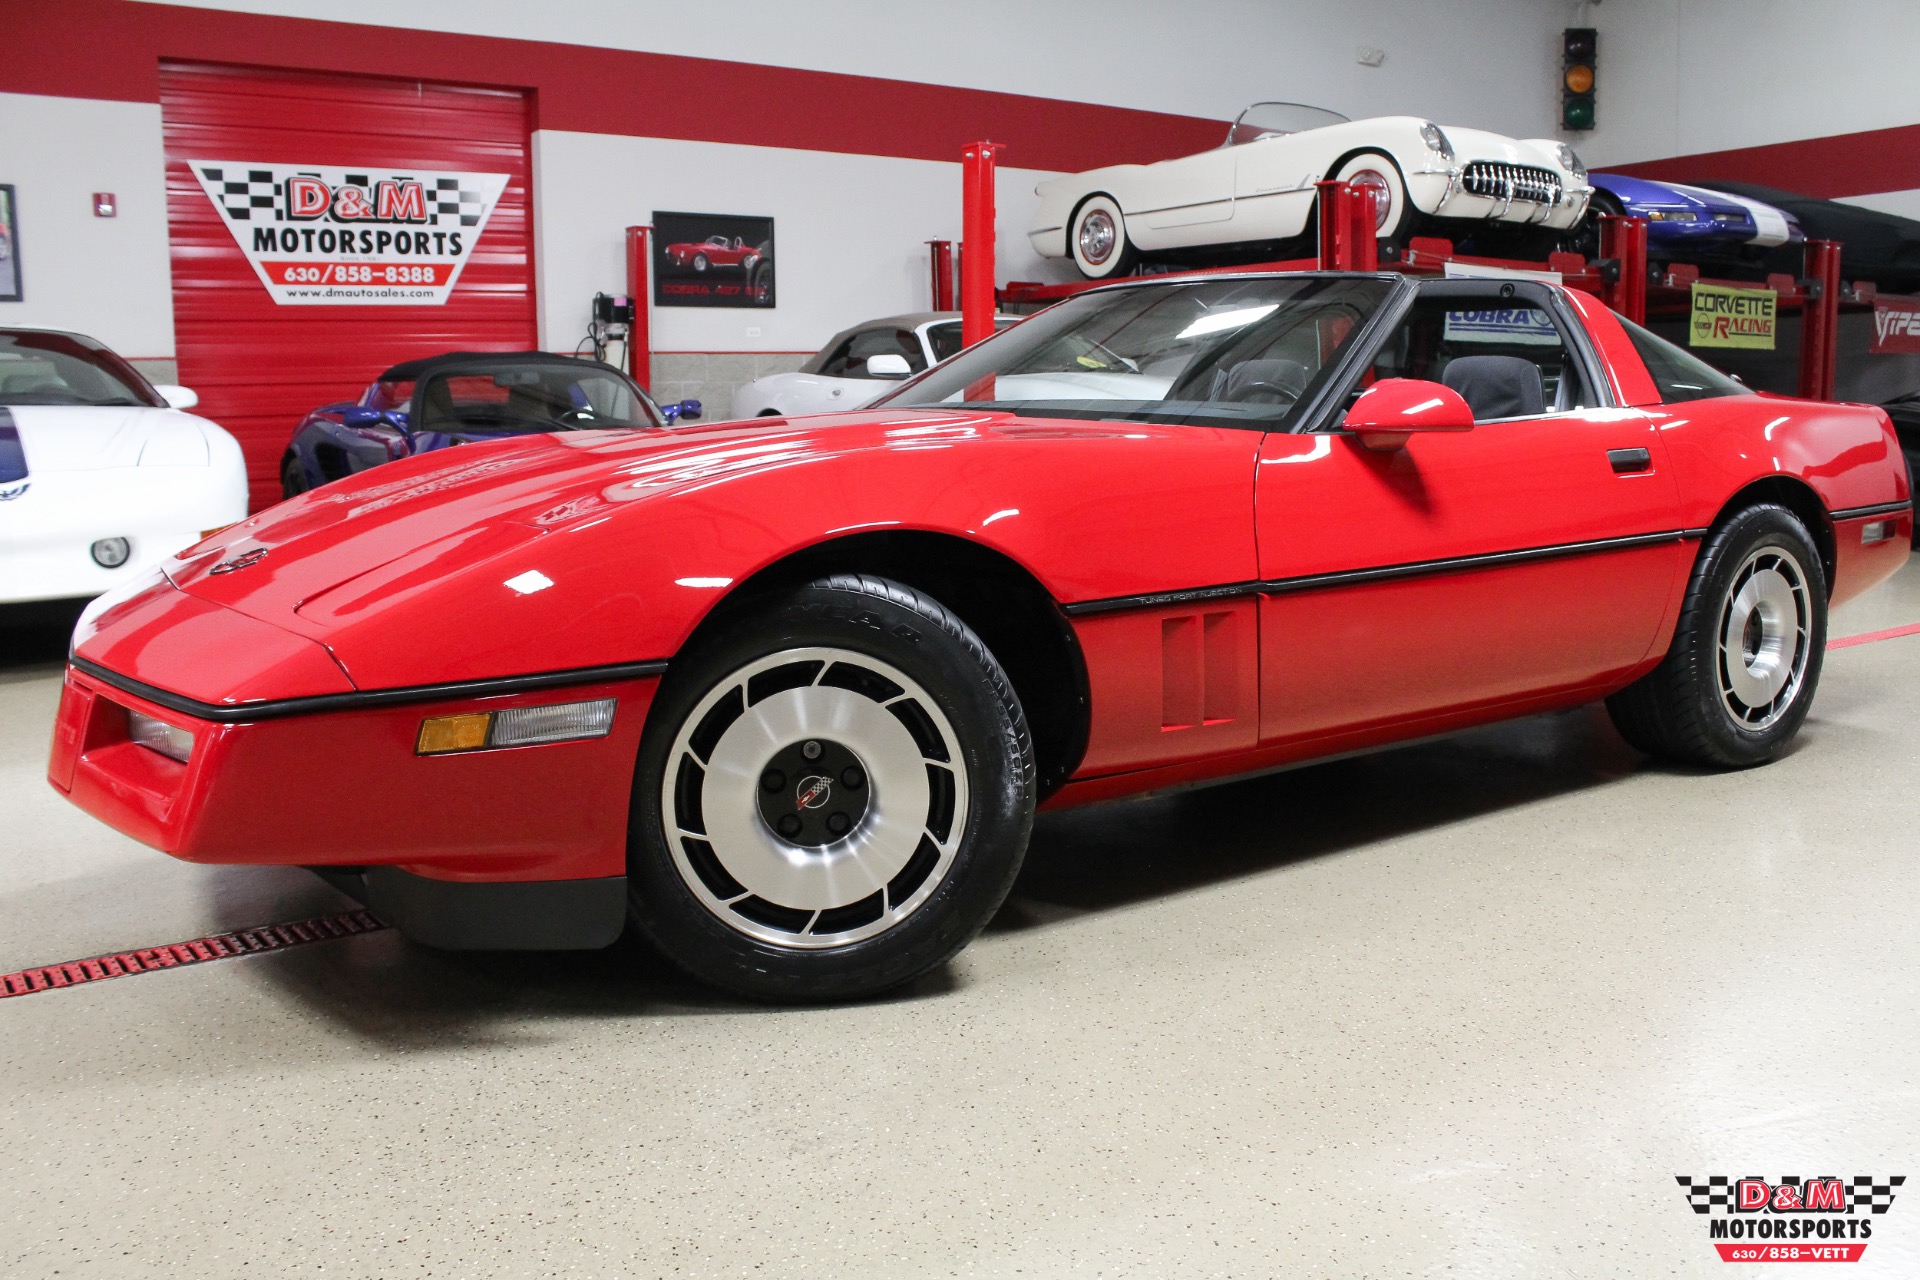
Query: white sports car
x=101 y=473
x=1257 y=188
x=856 y=366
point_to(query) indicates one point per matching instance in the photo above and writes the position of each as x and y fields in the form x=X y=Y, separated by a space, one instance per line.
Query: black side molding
x=1877 y=509
x=277 y=708
x=533 y=915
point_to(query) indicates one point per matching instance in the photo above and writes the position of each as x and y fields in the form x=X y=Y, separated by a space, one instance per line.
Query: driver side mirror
x=1388 y=413
x=178 y=397
x=888 y=364
x=686 y=410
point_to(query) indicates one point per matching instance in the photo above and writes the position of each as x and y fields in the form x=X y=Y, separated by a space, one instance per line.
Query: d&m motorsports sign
x=1724 y=317
x=320 y=236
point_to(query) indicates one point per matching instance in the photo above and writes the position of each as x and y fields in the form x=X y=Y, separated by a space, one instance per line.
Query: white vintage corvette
x=101 y=473
x=1258 y=187
x=843 y=374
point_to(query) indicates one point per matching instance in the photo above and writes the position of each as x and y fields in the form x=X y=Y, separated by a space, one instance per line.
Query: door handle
x=1626 y=461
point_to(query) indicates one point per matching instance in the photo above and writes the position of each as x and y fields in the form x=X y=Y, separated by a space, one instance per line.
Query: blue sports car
x=1688 y=224
x=461 y=397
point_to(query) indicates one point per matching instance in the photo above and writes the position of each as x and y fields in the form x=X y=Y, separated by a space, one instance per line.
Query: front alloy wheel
x=833 y=794
x=813 y=799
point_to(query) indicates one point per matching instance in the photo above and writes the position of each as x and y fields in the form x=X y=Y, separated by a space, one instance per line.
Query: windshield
x=944 y=337
x=1274 y=119
x=1223 y=351
x=65 y=368
x=528 y=398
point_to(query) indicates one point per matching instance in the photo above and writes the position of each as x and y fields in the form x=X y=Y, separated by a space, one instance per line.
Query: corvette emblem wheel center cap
x=814 y=793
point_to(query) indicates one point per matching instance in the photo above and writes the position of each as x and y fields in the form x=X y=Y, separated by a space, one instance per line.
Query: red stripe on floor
x=247 y=942
x=1868 y=637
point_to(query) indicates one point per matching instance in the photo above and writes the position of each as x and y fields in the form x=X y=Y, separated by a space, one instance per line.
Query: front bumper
x=345 y=787
x=1439 y=194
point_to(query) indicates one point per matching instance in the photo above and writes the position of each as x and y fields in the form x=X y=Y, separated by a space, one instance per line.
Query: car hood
x=61 y=437
x=1470 y=145
x=422 y=519
x=1644 y=192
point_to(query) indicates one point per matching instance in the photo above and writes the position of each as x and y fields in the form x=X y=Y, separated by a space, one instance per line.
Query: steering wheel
x=1262 y=391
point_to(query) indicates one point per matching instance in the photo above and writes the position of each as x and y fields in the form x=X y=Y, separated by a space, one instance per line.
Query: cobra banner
x=323 y=236
x=1726 y=317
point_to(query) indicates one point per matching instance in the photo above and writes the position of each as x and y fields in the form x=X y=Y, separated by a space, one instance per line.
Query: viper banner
x=323 y=236
x=1728 y=317
x=1896 y=327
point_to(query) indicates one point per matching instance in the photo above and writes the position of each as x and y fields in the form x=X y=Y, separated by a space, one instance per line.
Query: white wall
x=106 y=277
x=1486 y=63
x=849 y=233
x=1679 y=77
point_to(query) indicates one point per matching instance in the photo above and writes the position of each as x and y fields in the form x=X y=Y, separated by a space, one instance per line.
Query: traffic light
x=1579 y=47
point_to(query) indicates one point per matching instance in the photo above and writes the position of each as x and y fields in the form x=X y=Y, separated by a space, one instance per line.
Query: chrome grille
x=1515 y=181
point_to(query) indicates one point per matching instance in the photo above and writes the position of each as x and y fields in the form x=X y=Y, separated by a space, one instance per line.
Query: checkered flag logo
x=1864 y=1194
x=239 y=192
x=1705 y=1197
x=450 y=200
x=1868 y=1193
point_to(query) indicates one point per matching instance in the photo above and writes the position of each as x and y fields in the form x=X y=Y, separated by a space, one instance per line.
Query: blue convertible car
x=1688 y=224
x=462 y=397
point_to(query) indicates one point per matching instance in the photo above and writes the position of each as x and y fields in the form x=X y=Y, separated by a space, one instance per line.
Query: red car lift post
x=1820 y=320
x=940 y=253
x=640 y=294
x=976 y=240
x=1347 y=227
x=1625 y=241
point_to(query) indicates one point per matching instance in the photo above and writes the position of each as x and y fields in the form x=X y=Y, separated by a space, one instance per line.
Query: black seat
x=1497 y=386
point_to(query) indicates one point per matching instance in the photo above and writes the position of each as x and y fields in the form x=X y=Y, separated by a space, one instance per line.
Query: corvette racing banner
x=323 y=236
x=1724 y=317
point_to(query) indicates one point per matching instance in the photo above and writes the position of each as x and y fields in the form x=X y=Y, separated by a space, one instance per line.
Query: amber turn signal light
x=516 y=727
x=453 y=733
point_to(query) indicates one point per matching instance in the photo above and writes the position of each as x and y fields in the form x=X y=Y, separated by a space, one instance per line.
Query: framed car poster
x=712 y=260
x=9 y=245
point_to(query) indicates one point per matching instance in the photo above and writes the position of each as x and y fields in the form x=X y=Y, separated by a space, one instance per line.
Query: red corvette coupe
x=714 y=251
x=786 y=695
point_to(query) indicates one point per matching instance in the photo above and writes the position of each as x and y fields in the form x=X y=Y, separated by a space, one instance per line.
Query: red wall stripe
x=1845 y=164
x=113 y=49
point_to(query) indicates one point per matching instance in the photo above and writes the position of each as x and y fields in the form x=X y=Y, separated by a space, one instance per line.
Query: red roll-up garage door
x=260 y=364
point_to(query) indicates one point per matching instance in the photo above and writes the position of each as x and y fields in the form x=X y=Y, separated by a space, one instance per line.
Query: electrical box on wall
x=612 y=309
x=1579 y=55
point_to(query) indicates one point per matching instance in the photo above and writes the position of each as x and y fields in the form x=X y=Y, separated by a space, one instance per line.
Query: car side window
x=1678 y=374
x=1507 y=358
x=849 y=359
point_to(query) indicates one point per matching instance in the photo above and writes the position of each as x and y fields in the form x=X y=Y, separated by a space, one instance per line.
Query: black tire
x=1697 y=707
x=1097 y=239
x=728 y=697
x=292 y=479
x=1584 y=239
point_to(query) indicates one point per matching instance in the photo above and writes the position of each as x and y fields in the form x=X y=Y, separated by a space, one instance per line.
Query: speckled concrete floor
x=1460 y=1009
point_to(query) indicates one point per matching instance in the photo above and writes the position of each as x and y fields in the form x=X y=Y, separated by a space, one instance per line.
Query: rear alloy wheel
x=833 y=799
x=1740 y=676
x=1392 y=212
x=1097 y=239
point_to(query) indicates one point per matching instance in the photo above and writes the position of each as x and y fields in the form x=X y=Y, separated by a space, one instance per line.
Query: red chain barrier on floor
x=1891 y=633
x=247 y=942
